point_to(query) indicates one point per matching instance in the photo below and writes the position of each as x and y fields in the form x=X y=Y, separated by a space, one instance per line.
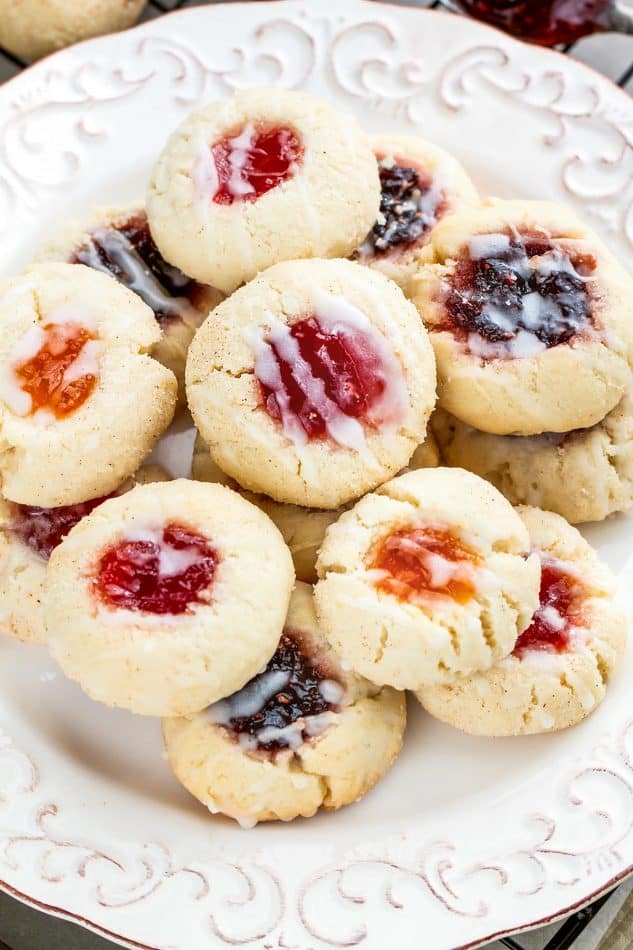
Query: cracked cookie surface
x=426 y=578
x=302 y=735
x=560 y=667
x=312 y=384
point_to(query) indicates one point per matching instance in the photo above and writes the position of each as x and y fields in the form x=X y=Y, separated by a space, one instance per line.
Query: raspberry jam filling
x=54 y=369
x=287 y=704
x=516 y=296
x=560 y=611
x=245 y=166
x=164 y=571
x=43 y=529
x=548 y=22
x=415 y=563
x=411 y=204
x=330 y=375
x=126 y=251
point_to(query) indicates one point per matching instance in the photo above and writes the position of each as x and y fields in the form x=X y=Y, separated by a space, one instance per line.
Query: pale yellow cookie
x=585 y=475
x=81 y=401
x=303 y=529
x=28 y=535
x=420 y=184
x=117 y=242
x=561 y=665
x=302 y=735
x=207 y=207
x=34 y=28
x=313 y=383
x=167 y=598
x=426 y=578
x=528 y=313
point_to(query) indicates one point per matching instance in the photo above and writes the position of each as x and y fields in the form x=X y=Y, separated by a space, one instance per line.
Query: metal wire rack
x=622 y=73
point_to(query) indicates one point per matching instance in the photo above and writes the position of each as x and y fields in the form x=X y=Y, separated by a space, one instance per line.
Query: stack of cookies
x=310 y=294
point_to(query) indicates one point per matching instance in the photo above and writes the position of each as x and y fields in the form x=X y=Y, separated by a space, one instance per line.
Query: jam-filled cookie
x=263 y=177
x=419 y=185
x=303 y=529
x=583 y=475
x=303 y=734
x=81 y=401
x=34 y=28
x=313 y=383
x=28 y=536
x=168 y=598
x=561 y=664
x=117 y=242
x=426 y=578
x=529 y=316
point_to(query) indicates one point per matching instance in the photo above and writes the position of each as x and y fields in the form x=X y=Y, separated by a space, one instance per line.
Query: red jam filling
x=163 y=576
x=42 y=529
x=524 y=295
x=321 y=372
x=42 y=376
x=291 y=688
x=253 y=162
x=425 y=562
x=410 y=205
x=127 y=252
x=561 y=602
x=548 y=22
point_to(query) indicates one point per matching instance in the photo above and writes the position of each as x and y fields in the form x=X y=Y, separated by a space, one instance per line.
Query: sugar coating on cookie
x=265 y=176
x=167 y=598
x=528 y=314
x=28 y=536
x=303 y=529
x=313 y=383
x=303 y=734
x=33 y=28
x=420 y=184
x=118 y=242
x=81 y=401
x=584 y=475
x=561 y=664
x=427 y=578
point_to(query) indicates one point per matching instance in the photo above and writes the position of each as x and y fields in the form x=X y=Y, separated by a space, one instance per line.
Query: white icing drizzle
x=204 y=176
x=249 y=700
x=86 y=364
x=241 y=146
x=481 y=246
x=171 y=560
x=331 y=691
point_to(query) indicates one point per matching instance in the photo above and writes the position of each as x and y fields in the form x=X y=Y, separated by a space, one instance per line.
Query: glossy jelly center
x=42 y=529
x=511 y=297
x=283 y=706
x=253 y=162
x=330 y=375
x=411 y=204
x=62 y=371
x=414 y=563
x=560 y=610
x=127 y=252
x=160 y=572
x=548 y=22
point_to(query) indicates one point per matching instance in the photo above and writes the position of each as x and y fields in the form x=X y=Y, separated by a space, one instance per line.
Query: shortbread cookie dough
x=28 y=536
x=427 y=578
x=265 y=176
x=117 y=242
x=168 y=598
x=32 y=28
x=303 y=529
x=560 y=667
x=81 y=401
x=312 y=384
x=419 y=185
x=585 y=475
x=529 y=315
x=302 y=735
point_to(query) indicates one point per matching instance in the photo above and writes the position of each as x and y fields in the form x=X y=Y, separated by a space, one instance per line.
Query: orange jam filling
x=425 y=562
x=48 y=378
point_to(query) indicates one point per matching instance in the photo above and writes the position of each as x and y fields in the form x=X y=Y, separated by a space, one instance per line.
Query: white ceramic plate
x=466 y=838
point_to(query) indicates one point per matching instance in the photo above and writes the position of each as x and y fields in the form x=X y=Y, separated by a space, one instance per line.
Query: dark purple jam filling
x=410 y=206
